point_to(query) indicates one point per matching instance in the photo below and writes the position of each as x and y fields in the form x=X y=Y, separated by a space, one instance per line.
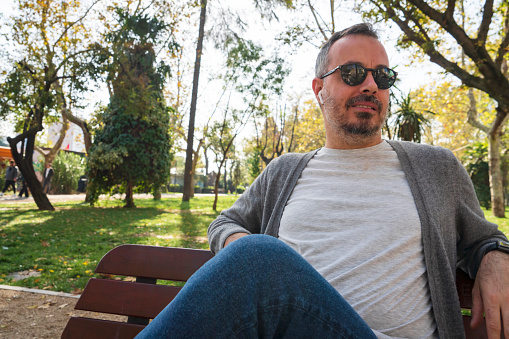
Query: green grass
x=66 y=245
x=503 y=223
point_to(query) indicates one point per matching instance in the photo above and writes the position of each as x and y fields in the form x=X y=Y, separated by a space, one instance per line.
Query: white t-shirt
x=352 y=216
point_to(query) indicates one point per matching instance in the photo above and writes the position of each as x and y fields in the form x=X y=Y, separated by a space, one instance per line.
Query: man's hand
x=234 y=237
x=491 y=294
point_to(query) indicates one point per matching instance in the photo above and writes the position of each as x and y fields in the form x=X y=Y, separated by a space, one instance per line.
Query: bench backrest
x=142 y=300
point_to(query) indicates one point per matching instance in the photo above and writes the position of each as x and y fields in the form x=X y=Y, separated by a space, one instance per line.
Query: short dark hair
x=322 y=61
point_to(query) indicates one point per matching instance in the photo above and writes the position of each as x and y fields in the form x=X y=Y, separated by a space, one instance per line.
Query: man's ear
x=317 y=85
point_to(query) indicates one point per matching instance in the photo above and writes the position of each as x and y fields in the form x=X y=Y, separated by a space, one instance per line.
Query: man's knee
x=260 y=252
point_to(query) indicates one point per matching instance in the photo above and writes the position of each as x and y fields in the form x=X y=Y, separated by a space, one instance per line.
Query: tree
x=274 y=134
x=133 y=148
x=266 y=10
x=188 y=172
x=309 y=128
x=476 y=164
x=251 y=76
x=44 y=38
x=408 y=122
x=433 y=28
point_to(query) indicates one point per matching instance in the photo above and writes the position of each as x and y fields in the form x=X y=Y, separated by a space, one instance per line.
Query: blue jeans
x=257 y=287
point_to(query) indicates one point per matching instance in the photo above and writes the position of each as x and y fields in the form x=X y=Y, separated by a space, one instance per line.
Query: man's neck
x=352 y=141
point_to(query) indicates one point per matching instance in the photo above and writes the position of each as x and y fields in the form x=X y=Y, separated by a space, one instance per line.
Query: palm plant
x=409 y=123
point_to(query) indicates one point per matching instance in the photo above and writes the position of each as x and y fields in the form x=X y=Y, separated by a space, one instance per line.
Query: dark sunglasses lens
x=384 y=77
x=353 y=75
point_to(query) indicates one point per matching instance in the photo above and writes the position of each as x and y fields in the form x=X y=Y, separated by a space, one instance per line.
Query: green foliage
x=476 y=163
x=68 y=168
x=254 y=165
x=408 y=123
x=133 y=146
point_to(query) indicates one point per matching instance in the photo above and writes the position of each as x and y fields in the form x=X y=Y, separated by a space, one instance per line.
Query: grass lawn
x=503 y=223
x=66 y=245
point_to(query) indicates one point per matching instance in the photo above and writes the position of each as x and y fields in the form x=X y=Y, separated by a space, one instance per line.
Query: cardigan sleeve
x=475 y=232
x=244 y=216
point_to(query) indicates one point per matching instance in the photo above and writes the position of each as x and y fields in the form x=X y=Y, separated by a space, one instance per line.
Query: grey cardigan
x=454 y=230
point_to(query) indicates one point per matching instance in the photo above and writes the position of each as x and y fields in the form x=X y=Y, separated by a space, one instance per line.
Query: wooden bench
x=142 y=300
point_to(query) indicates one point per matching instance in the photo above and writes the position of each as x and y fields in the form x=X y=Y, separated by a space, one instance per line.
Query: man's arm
x=234 y=237
x=491 y=294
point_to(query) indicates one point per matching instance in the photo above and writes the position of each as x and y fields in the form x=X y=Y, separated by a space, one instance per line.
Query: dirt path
x=33 y=315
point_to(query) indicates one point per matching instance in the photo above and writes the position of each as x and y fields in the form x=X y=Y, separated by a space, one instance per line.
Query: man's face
x=12 y=163
x=357 y=112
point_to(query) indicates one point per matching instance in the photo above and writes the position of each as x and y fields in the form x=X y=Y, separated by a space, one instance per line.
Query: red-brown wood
x=147 y=300
x=125 y=298
x=464 y=285
x=85 y=328
x=153 y=262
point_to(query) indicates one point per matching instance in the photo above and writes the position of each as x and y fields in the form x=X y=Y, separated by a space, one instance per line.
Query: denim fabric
x=257 y=287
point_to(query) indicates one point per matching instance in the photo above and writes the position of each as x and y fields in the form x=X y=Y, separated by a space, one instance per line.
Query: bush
x=240 y=189
x=68 y=168
x=197 y=189
x=476 y=163
x=208 y=189
x=175 y=188
x=2 y=173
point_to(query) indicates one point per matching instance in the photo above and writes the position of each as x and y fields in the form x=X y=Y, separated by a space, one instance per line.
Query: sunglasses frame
x=373 y=71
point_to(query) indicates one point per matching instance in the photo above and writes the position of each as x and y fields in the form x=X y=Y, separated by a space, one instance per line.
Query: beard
x=366 y=124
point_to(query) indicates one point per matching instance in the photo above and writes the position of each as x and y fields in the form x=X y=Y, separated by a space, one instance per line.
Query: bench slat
x=153 y=261
x=85 y=328
x=125 y=298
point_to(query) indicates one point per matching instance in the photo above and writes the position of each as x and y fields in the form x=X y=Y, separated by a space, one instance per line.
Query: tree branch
x=74 y=23
x=475 y=49
x=449 y=12
x=435 y=56
x=502 y=49
x=317 y=22
x=472 y=113
x=484 y=27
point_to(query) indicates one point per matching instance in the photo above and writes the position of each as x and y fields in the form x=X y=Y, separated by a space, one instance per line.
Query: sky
x=303 y=60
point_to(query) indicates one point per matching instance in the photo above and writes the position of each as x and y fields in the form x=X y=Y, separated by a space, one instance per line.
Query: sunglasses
x=354 y=74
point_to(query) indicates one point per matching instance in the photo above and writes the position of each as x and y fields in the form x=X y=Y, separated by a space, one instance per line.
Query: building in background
x=73 y=140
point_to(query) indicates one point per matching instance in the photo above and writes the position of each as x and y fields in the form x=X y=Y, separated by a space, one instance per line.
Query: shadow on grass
x=65 y=245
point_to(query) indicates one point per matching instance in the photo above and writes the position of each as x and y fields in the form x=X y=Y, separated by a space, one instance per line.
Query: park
x=140 y=122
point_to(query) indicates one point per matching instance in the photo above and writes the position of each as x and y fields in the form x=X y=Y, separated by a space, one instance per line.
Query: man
x=370 y=232
x=24 y=187
x=10 y=178
x=48 y=174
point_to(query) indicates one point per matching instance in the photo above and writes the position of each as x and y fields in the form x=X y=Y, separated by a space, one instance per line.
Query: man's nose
x=369 y=85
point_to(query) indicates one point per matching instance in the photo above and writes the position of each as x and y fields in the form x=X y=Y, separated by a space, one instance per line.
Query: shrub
x=68 y=168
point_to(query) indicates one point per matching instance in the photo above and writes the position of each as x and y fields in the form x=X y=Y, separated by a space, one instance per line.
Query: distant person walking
x=10 y=178
x=48 y=174
x=24 y=188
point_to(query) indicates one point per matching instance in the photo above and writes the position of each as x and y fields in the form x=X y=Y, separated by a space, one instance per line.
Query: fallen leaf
x=63 y=305
x=32 y=306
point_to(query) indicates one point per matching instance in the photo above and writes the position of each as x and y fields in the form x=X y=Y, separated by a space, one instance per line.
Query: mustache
x=365 y=98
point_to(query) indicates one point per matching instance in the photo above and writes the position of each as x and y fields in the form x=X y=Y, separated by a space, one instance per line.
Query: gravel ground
x=34 y=315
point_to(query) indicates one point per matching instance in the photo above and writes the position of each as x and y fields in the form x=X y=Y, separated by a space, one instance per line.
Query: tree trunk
x=157 y=193
x=216 y=189
x=188 y=171
x=496 y=178
x=129 y=200
x=25 y=165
